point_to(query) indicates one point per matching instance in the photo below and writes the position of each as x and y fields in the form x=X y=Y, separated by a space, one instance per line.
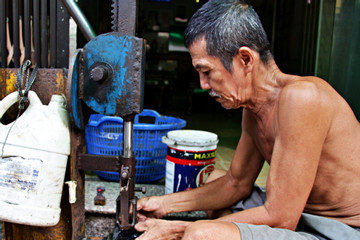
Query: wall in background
x=338 y=57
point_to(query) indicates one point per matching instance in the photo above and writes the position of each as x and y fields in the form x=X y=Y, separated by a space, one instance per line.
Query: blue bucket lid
x=190 y=138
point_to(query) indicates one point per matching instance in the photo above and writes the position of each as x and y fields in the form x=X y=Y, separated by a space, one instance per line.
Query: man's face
x=213 y=76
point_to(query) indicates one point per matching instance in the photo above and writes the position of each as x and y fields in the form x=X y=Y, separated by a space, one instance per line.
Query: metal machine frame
x=72 y=83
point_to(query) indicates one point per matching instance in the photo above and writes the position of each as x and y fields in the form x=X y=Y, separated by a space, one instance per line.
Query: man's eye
x=206 y=73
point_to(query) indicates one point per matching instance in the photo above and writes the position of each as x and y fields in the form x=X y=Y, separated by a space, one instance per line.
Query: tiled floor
x=223 y=158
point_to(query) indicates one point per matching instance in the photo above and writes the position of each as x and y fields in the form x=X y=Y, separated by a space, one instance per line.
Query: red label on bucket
x=191 y=158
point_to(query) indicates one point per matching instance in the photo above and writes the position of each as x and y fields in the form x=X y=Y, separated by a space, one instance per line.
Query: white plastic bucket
x=190 y=159
x=33 y=161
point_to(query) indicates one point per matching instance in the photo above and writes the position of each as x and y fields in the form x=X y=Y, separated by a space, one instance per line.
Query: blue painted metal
x=122 y=94
x=75 y=110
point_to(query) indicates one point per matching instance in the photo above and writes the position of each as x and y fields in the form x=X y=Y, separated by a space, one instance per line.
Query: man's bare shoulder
x=315 y=97
x=306 y=88
x=306 y=93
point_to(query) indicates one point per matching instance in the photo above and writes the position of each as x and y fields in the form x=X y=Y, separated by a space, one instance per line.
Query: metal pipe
x=53 y=33
x=26 y=28
x=3 y=33
x=36 y=27
x=16 y=40
x=44 y=43
x=128 y=139
x=80 y=19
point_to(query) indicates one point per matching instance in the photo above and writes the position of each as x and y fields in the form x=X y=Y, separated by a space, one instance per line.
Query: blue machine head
x=114 y=74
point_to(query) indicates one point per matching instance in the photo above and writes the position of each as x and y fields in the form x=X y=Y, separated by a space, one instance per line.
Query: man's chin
x=225 y=104
x=227 y=107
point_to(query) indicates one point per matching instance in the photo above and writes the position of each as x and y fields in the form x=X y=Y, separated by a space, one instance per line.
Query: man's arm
x=302 y=125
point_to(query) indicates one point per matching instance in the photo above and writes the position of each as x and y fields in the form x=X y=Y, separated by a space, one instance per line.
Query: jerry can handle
x=13 y=97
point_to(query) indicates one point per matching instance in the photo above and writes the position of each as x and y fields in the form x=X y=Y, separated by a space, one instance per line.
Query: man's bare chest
x=264 y=138
x=263 y=132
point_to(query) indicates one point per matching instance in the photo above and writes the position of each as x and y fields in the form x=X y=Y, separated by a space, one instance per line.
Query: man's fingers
x=141 y=227
x=141 y=217
x=141 y=202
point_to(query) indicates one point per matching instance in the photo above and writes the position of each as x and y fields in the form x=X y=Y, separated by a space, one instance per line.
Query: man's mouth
x=214 y=94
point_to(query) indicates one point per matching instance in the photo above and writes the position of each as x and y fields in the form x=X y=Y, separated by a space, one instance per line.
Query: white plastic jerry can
x=34 y=150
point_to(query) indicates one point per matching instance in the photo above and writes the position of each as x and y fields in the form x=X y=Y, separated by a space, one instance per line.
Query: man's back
x=337 y=183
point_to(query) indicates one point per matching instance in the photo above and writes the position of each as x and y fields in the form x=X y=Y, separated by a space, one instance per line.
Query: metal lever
x=80 y=19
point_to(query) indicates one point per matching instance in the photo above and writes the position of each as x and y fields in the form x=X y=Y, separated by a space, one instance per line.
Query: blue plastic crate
x=104 y=136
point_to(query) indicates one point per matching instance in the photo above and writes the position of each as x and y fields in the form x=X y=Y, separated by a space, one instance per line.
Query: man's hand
x=151 y=207
x=158 y=229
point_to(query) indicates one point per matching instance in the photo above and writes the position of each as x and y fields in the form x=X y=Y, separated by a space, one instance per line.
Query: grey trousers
x=309 y=227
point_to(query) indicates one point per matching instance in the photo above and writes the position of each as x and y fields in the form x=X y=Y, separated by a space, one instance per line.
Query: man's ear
x=246 y=58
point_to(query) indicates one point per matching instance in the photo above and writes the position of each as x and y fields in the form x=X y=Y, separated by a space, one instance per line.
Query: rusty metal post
x=125 y=16
x=77 y=140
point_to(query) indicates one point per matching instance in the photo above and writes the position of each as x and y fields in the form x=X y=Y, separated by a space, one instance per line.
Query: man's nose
x=204 y=84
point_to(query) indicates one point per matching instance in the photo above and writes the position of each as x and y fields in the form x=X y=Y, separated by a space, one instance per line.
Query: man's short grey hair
x=226 y=26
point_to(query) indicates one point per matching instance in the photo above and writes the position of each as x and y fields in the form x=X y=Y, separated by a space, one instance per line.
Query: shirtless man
x=300 y=125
